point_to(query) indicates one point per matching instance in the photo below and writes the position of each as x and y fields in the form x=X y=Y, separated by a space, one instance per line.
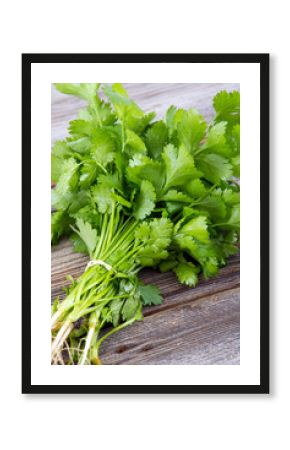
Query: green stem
x=109 y=333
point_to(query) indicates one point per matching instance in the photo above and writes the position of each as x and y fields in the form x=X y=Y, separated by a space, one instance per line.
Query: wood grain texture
x=192 y=326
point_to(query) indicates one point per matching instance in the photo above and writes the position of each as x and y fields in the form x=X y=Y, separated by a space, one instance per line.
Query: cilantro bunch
x=135 y=192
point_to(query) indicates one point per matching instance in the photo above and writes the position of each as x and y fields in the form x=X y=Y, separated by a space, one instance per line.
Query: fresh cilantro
x=133 y=192
x=150 y=294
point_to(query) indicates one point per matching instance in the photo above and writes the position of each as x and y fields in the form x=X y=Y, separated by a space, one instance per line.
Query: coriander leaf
x=197 y=228
x=233 y=222
x=187 y=273
x=102 y=196
x=195 y=188
x=69 y=201
x=179 y=166
x=98 y=109
x=210 y=267
x=143 y=168
x=83 y=90
x=216 y=141
x=81 y=145
x=111 y=180
x=81 y=128
x=156 y=137
x=103 y=147
x=236 y=166
x=61 y=149
x=233 y=139
x=145 y=201
x=153 y=239
x=168 y=264
x=77 y=200
x=134 y=144
x=175 y=196
x=170 y=114
x=215 y=168
x=131 y=306
x=231 y=197
x=126 y=109
x=68 y=180
x=87 y=234
x=214 y=206
x=60 y=223
x=56 y=167
x=78 y=244
x=60 y=152
x=116 y=307
x=190 y=127
x=227 y=107
x=150 y=294
x=88 y=213
x=88 y=173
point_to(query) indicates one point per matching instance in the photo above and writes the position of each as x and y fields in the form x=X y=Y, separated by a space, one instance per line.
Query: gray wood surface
x=192 y=326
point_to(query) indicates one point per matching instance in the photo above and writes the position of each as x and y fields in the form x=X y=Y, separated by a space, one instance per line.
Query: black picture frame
x=263 y=61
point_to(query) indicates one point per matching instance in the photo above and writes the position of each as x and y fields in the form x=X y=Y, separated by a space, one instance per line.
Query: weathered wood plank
x=204 y=331
x=192 y=326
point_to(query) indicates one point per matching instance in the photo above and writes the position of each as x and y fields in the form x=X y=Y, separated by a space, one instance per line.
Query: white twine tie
x=98 y=262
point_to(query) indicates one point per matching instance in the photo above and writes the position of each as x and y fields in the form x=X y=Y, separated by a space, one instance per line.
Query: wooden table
x=192 y=326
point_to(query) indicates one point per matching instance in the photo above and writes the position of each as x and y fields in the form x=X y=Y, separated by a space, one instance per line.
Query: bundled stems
x=113 y=260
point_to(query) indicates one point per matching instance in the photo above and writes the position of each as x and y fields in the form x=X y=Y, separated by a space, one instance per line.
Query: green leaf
x=60 y=224
x=156 y=137
x=77 y=200
x=227 y=107
x=190 y=127
x=170 y=114
x=98 y=109
x=214 y=167
x=82 y=145
x=81 y=128
x=60 y=152
x=197 y=228
x=214 y=206
x=103 y=146
x=126 y=109
x=134 y=144
x=143 y=168
x=83 y=90
x=153 y=238
x=216 y=140
x=102 y=196
x=111 y=180
x=179 y=166
x=116 y=307
x=88 y=173
x=195 y=188
x=233 y=222
x=131 y=306
x=78 y=244
x=231 y=197
x=175 y=196
x=233 y=139
x=186 y=273
x=168 y=264
x=210 y=267
x=87 y=234
x=68 y=180
x=145 y=201
x=56 y=167
x=88 y=213
x=150 y=294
